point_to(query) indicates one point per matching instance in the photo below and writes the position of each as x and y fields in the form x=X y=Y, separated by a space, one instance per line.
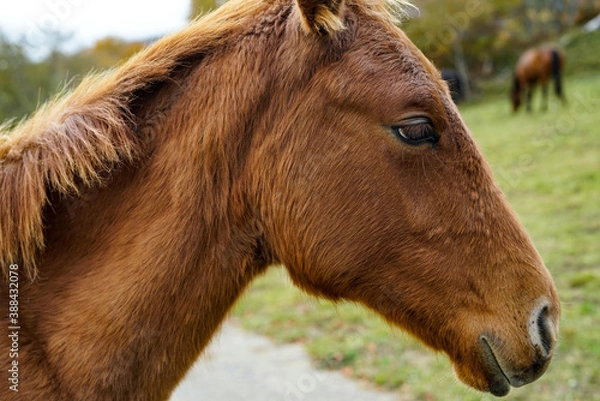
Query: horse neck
x=169 y=244
x=139 y=274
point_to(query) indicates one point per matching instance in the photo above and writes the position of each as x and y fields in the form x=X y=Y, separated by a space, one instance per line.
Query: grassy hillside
x=549 y=166
x=581 y=49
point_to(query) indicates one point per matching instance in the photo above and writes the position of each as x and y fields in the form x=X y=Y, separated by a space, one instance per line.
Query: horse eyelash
x=417 y=134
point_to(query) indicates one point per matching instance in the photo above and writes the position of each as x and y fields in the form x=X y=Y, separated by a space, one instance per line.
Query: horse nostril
x=542 y=332
x=546 y=337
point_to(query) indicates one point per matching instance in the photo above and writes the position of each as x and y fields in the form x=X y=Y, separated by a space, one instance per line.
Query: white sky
x=89 y=20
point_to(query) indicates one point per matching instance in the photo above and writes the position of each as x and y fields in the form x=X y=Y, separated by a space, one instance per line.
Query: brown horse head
x=310 y=133
x=394 y=206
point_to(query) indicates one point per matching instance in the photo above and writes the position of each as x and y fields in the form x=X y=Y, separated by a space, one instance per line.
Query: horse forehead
x=391 y=69
x=391 y=50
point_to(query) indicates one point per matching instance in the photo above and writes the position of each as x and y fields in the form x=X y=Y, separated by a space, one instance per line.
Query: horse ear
x=323 y=17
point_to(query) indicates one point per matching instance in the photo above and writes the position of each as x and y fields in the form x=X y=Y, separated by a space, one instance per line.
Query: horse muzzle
x=502 y=371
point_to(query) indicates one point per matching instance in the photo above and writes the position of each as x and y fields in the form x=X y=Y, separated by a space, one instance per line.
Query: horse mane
x=76 y=140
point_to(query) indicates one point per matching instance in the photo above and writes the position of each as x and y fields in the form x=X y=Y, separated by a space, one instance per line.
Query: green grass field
x=549 y=166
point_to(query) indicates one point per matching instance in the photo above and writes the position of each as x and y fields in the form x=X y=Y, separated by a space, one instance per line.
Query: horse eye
x=416 y=131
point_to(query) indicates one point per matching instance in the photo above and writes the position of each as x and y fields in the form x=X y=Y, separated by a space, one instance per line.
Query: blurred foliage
x=26 y=83
x=108 y=52
x=488 y=35
x=200 y=7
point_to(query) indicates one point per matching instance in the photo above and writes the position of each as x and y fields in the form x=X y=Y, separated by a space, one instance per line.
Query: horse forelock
x=76 y=140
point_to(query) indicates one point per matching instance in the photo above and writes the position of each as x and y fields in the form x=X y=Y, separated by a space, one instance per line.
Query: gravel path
x=239 y=365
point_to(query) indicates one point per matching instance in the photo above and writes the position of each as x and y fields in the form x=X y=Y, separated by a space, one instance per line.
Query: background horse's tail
x=557 y=72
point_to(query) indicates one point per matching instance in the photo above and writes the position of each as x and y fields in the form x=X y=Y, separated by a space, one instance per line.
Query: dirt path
x=244 y=366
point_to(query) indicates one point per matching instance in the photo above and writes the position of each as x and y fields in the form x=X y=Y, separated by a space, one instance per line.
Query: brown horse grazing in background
x=535 y=66
x=309 y=133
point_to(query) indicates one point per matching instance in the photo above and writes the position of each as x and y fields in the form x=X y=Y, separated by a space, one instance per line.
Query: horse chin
x=492 y=372
x=499 y=383
x=490 y=378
